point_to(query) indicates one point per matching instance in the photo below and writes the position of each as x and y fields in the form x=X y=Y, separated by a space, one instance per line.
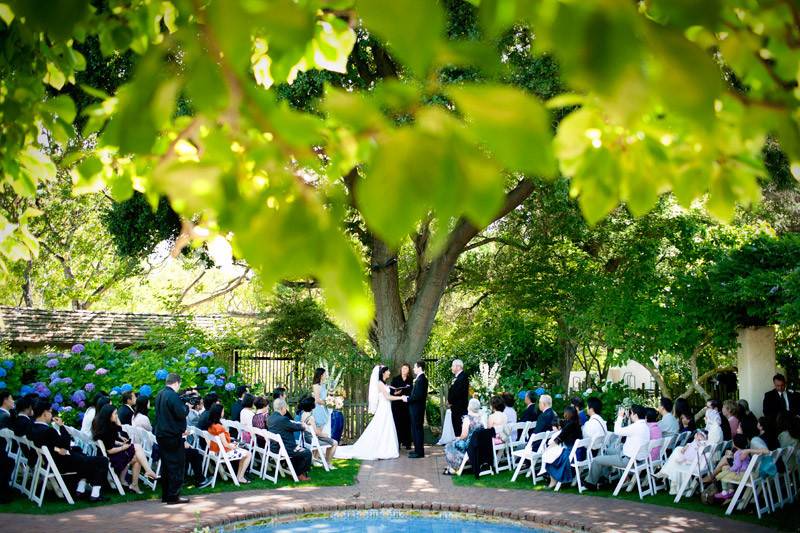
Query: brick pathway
x=403 y=483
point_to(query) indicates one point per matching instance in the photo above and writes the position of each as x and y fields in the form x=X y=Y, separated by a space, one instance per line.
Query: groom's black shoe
x=415 y=455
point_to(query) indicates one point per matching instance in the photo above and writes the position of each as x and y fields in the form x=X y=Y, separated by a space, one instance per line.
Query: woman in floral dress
x=454 y=451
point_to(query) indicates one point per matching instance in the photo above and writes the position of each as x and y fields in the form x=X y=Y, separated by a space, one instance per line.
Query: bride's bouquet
x=485 y=381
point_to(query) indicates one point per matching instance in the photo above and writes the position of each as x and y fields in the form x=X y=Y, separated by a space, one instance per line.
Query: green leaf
x=596 y=183
x=685 y=13
x=62 y=105
x=91 y=91
x=121 y=186
x=411 y=27
x=205 y=86
x=6 y=14
x=87 y=176
x=57 y=18
x=54 y=76
x=35 y=166
x=333 y=41
x=512 y=124
x=353 y=110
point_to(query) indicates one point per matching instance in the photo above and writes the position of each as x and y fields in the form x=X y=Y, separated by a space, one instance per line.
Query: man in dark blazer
x=91 y=470
x=126 y=411
x=416 y=409
x=6 y=405
x=780 y=400
x=458 y=395
x=286 y=428
x=531 y=412
x=22 y=422
x=547 y=417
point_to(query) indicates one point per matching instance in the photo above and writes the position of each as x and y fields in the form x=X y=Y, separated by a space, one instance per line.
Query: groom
x=416 y=408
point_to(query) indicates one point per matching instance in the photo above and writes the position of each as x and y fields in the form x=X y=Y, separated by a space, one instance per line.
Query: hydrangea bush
x=72 y=378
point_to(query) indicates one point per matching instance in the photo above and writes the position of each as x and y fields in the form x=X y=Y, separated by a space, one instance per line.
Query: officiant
x=401 y=386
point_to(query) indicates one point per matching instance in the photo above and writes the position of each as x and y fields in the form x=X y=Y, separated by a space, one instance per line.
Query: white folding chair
x=280 y=457
x=25 y=466
x=749 y=487
x=579 y=464
x=221 y=458
x=788 y=477
x=517 y=440
x=699 y=467
x=532 y=453
x=47 y=472
x=682 y=438
x=654 y=464
x=612 y=444
x=311 y=442
x=636 y=466
x=238 y=430
x=776 y=499
x=501 y=457
x=112 y=474
x=147 y=440
x=260 y=452
x=20 y=468
x=82 y=440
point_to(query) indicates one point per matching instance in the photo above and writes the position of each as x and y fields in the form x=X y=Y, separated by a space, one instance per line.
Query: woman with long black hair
x=401 y=386
x=119 y=448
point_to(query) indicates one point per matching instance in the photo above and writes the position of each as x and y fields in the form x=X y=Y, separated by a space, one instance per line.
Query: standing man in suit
x=780 y=400
x=416 y=409
x=458 y=395
x=170 y=427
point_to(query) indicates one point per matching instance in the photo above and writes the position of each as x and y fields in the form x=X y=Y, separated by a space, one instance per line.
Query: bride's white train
x=379 y=439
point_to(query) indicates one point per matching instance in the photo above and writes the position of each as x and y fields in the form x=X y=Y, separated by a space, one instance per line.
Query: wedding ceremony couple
x=380 y=438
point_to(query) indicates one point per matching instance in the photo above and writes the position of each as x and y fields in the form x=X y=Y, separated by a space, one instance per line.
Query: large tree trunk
x=402 y=338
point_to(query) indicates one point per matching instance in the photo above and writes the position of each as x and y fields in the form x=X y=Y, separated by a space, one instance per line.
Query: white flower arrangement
x=485 y=381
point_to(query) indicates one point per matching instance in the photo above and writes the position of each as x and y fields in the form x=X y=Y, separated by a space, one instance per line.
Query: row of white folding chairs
x=37 y=468
x=93 y=447
x=758 y=488
x=503 y=453
x=146 y=440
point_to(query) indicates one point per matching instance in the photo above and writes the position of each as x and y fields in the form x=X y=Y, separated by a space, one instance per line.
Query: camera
x=191 y=399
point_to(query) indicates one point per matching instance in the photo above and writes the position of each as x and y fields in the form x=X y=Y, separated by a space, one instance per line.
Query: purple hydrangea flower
x=229 y=386
x=51 y=363
x=89 y=387
x=66 y=409
x=78 y=396
x=8 y=363
x=43 y=391
x=219 y=383
x=66 y=381
x=78 y=348
x=55 y=407
x=219 y=371
x=81 y=404
x=203 y=370
x=89 y=367
x=161 y=374
x=101 y=372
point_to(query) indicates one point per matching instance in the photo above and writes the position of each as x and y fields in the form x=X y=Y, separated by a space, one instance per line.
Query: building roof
x=59 y=327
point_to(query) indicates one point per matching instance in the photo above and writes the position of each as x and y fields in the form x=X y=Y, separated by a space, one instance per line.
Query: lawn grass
x=345 y=474
x=784 y=519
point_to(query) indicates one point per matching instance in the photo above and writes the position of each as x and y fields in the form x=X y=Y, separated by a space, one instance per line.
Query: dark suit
x=170 y=425
x=125 y=414
x=416 y=410
x=5 y=419
x=529 y=414
x=545 y=421
x=774 y=404
x=458 y=398
x=92 y=469
x=286 y=428
x=22 y=425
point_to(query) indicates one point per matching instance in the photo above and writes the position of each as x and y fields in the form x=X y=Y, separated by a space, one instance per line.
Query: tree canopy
x=436 y=119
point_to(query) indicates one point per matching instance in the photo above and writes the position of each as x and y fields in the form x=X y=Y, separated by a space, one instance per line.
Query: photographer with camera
x=170 y=428
x=637 y=435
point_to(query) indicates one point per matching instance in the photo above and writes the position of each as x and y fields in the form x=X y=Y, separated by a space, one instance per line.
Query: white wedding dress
x=379 y=440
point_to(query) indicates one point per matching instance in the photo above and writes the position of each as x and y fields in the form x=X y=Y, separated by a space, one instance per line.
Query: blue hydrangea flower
x=2 y=384
x=78 y=396
x=8 y=363
x=51 y=363
x=80 y=416
x=145 y=390
x=55 y=407
x=66 y=381
x=192 y=351
x=58 y=398
x=219 y=383
x=539 y=391
x=43 y=391
x=66 y=409
x=126 y=387
x=78 y=348
x=89 y=367
x=161 y=374
x=209 y=354
x=229 y=386
x=187 y=358
x=89 y=387
x=115 y=390
x=25 y=389
x=219 y=371
x=521 y=394
x=203 y=370
x=559 y=396
x=211 y=380
x=2 y=372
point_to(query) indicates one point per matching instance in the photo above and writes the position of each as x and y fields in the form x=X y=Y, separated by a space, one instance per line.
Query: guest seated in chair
x=560 y=470
x=142 y=417
x=284 y=427
x=306 y=408
x=547 y=417
x=455 y=450
x=498 y=420
x=90 y=470
x=121 y=451
x=235 y=453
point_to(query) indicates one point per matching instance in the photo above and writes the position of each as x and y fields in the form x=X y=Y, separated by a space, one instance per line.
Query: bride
x=379 y=440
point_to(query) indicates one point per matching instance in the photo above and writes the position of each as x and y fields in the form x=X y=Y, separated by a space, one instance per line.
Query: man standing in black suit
x=170 y=427
x=458 y=395
x=416 y=409
x=780 y=400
